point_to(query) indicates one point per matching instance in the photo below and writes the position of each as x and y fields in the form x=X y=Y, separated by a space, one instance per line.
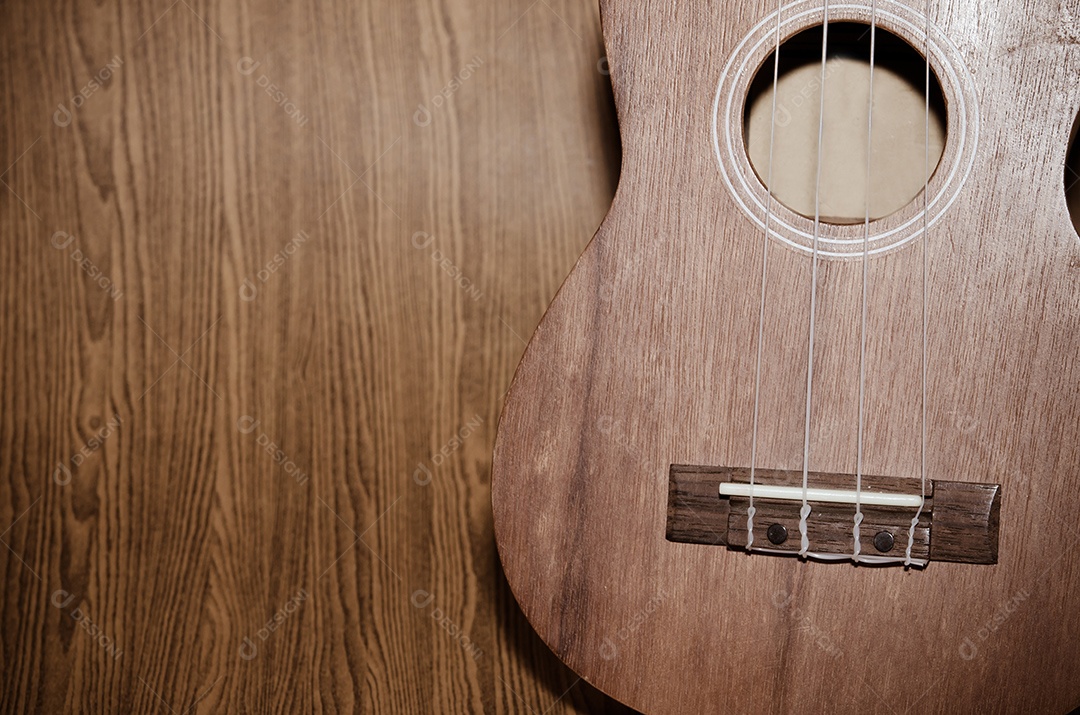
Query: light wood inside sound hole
x=898 y=155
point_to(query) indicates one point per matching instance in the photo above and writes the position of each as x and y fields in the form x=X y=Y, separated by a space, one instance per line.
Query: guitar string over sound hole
x=897 y=218
x=898 y=141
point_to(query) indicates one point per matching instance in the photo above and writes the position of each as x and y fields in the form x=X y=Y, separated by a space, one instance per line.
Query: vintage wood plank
x=146 y=221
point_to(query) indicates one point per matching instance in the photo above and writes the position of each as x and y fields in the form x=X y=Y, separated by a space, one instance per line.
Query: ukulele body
x=647 y=358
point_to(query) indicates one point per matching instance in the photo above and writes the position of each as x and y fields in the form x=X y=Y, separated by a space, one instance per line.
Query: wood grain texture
x=646 y=359
x=264 y=283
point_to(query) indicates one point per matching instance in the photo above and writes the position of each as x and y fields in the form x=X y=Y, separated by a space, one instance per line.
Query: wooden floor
x=267 y=269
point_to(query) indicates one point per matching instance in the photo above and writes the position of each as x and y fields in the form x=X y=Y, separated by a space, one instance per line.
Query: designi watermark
x=609 y=647
x=248 y=648
x=422 y=475
x=61 y=240
x=62 y=473
x=615 y=430
x=247 y=66
x=969 y=649
x=422 y=599
x=65 y=113
x=782 y=600
x=62 y=599
x=248 y=290
x=422 y=115
x=421 y=240
x=247 y=425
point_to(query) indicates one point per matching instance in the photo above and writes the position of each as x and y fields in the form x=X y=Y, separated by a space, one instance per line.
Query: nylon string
x=925 y=241
x=865 y=270
x=764 y=274
x=804 y=512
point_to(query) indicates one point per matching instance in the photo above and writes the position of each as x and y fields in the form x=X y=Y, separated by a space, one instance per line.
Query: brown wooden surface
x=646 y=358
x=360 y=357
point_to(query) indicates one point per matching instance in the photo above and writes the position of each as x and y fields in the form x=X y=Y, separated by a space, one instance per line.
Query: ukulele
x=778 y=445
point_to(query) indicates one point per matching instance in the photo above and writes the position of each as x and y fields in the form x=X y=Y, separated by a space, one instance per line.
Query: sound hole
x=898 y=161
x=1072 y=176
